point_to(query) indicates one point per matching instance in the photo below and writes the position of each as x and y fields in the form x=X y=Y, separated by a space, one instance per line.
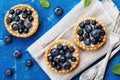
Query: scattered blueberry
x=57 y=60
x=61 y=52
x=86 y=35
x=29 y=12
x=15 y=26
x=50 y=58
x=81 y=38
x=30 y=18
x=9 y=20
x=17 y=18
x=66 y=65
x=65 y=47
x=20 y=30
x=71 y=49
x=13 y=16
x=28 y=25
x=58 y=11
x=94 y=41
x=88 y=28
x=73 y=59
x=53 y=64
x=93 y=22
x=59 y=46
x=100 y=39
x=80 y=32
x=17 y=54
x=24 y=15
x=21 y=22
x=26 y=30
x=102 y=32
x=54 y=52
x=8 y=72
x=82 y=25
x=87 y=41
x=11 y=11
x=68 y=55
x=87 y=22
x=95 y=33
x=18 y=11
x=29 y=63
x=98 y=27
x=7 y=39
x=58 y=67
x=62 y=58
x=24 y=10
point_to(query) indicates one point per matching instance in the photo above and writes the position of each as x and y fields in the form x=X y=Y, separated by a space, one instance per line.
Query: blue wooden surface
x=47 y=20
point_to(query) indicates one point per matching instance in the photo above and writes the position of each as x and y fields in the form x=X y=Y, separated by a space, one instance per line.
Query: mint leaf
x=87 y=2
x=45 y=3
x=116 y=69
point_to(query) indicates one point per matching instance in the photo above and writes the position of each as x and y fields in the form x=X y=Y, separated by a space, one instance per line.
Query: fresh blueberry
x=18 y=11
x=66 y=65
x=17 y=18
x=94 y=41
x=15 y=26
x=73 y=59
x=95 y=33
x=100 y=39
x=26 y=30
x=29 y=63
x=20 y=30
x=9 y=72
x=65 y=47
x=24 y=15
x=28 y=25
x=17 y=54
x=21 y=22
x=58 y=67
x=86 y=35
x=62 y=58
x=11 y=11
x=22 y=26
x=80 y=32
x=71 y=49
x=98 y=27
x=87 y=41
x=102 y=32
x=68 y=55
x=29 y=12
x=81 y=38
x=57 y=60
x=88 y=28
x=58 y=11
x=61 y=52
x=82 y=25
x=7 y=39
x=93 y=22
x=54 y=52
x=30 y=18
x=53 y=64
x=87 y=22
x=59 y=46
x=9 y=20
x=50 y=58
x=13 y=16
x=24 y=10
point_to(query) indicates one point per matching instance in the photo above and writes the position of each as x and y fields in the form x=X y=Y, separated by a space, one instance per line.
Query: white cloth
x=104 y=11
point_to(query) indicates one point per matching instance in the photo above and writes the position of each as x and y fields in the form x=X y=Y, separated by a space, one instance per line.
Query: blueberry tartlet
x=21 y=20
x=89 y=33
x=62 y=56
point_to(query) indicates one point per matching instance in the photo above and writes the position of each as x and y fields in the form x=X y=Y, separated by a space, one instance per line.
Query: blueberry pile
x=90 y=32
x=21 y=20
x=61 y=57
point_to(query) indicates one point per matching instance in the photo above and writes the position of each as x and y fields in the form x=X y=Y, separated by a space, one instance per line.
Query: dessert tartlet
x=89 y=33
x=62 y=56
x=21 y=20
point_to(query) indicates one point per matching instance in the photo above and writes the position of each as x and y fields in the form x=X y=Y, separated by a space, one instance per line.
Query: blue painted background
x=47 y=20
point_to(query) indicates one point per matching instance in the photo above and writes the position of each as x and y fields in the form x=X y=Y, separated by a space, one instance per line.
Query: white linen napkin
x=105 y=11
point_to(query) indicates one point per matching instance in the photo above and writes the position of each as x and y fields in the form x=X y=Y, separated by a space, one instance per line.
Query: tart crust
x=35 y=22
x=75 y=53
x=80 y=43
